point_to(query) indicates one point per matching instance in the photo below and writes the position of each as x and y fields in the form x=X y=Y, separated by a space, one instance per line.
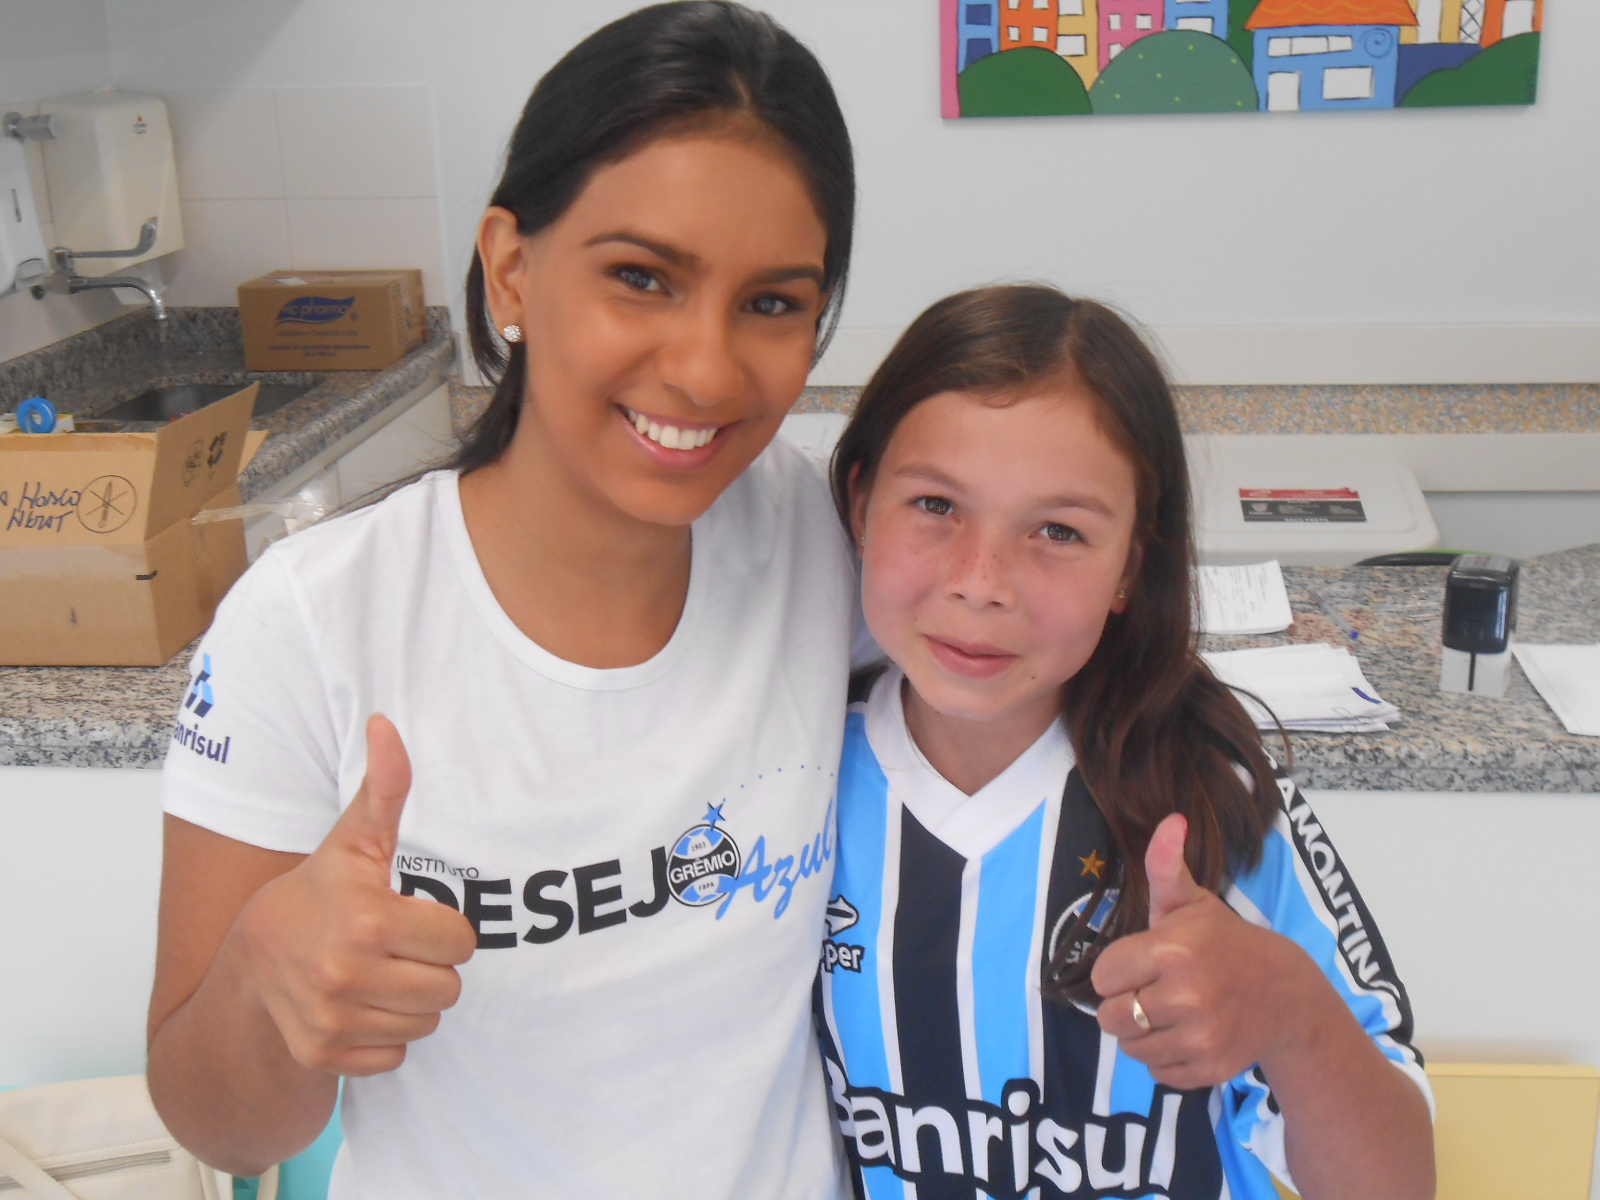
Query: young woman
x=556 y=915
x=1083 y=942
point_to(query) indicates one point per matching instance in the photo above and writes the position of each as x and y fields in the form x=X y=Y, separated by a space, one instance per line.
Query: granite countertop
x=89 y=716
x=1311 y=408
x=1445 y=742
x=122 y=716
x=99 y=369
x=1348 y=408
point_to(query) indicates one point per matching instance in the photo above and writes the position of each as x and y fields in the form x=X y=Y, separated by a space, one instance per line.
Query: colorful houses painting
x=1123 y=22
x=1084 y=57
x=977 y=31
x=1328 y=54
x=1199 y=16
x=1027 y=23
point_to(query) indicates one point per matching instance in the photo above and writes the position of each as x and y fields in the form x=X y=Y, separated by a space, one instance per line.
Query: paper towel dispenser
x=110 y=170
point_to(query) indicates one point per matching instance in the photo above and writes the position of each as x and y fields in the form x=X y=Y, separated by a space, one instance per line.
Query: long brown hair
x=1154 y=731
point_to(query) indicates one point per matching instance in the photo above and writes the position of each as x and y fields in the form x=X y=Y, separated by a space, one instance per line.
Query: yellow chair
x=1509 y=1131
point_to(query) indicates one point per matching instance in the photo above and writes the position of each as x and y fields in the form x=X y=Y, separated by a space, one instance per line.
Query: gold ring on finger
x=1140 y=1017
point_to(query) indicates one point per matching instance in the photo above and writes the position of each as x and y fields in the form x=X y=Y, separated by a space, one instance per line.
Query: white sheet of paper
x=1312 y=686
x=1568 y=677
x=1245 y=599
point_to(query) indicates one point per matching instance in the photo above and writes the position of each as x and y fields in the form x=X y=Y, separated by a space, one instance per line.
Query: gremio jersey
x=950 y=1075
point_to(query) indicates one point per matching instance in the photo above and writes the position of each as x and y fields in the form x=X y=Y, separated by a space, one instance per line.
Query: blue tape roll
x=36 y=415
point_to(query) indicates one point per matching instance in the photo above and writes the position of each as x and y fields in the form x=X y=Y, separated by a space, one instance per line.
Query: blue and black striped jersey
x=950 y=1075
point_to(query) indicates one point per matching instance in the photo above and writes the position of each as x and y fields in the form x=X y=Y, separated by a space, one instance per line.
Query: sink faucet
x=66 y=279
x=158 y=308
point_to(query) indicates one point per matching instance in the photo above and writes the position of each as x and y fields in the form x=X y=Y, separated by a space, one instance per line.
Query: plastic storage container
x=1323 y=512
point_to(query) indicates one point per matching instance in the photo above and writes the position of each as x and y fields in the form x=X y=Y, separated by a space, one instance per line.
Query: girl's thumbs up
x=1171 y=885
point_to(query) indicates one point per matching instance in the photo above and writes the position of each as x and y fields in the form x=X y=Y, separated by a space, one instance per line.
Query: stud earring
x=512 y=333
x=1122 y=594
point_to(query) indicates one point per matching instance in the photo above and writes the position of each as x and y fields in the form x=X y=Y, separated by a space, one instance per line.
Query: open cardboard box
x=101 y=563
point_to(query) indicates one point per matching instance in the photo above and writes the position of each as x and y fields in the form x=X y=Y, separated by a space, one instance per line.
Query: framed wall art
x=1012 y=58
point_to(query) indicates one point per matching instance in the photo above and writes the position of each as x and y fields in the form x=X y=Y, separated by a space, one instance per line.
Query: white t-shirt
x=646 y=851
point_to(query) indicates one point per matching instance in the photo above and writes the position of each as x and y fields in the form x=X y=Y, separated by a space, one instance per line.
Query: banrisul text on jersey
x=950 y=1076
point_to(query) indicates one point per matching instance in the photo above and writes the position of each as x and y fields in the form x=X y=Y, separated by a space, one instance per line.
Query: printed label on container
x=1306 y=506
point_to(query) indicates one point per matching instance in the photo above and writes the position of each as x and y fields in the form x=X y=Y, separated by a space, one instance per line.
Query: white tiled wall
x=306 y=178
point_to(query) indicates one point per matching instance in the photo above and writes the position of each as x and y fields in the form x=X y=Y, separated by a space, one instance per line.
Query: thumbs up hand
x=349 y=971
x=1172 y=888
x=1202 y=994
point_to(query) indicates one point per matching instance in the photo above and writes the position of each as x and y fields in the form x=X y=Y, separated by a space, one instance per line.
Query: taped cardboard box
x=330 y=320
x=101 y=563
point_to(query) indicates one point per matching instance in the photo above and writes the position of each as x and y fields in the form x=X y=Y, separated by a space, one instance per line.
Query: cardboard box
x=100 y=561
x=330 y=320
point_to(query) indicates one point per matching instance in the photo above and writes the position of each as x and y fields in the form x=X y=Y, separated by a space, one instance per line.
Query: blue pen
x=1332 y=614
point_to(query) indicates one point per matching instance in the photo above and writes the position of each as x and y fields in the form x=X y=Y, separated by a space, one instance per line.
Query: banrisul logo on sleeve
x=314 y=310
x=190 y=731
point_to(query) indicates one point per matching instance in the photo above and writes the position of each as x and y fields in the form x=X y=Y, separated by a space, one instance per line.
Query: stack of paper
x=1568 y=677
x=1244 y=600
x=1311 y=687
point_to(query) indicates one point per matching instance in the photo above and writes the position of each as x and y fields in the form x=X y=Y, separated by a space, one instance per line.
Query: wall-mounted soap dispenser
x=23 y=261
x=110 y=170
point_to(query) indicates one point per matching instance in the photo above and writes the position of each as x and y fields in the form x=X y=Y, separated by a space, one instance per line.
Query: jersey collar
x=970 y=825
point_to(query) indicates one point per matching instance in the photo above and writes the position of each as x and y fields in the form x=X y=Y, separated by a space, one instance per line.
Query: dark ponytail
x=1154 y=731
x=660 y=69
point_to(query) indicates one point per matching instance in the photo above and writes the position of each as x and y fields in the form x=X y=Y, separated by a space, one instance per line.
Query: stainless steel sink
x=170 y=403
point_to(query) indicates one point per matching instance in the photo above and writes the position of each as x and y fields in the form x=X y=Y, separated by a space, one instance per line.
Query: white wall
x=1488 y=906
x=50 y=48
x=79 y=932
x=306 y=178
x=1340 y=227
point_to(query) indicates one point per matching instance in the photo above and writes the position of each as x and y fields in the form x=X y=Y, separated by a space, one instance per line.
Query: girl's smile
x=969 y=659
x=997 y=539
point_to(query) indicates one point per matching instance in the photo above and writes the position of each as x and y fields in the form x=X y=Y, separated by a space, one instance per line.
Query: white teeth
x=670 y=436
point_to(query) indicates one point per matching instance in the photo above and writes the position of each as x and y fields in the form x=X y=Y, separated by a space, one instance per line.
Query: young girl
x=614 y=637
x=1083 y=942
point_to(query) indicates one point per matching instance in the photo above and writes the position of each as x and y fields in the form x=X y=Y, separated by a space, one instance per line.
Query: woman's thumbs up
x=370 y=827
x=350 y=971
